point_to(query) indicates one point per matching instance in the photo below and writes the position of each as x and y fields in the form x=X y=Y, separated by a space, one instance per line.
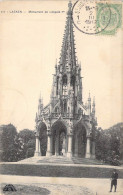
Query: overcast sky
x=29 y=46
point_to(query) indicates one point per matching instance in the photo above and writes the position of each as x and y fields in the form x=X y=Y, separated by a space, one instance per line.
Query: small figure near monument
x=114 y=178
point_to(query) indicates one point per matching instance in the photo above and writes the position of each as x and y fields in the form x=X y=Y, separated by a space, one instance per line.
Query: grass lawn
x=57 y=171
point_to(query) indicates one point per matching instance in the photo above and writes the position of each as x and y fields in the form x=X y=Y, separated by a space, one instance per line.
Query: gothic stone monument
x=66 y=126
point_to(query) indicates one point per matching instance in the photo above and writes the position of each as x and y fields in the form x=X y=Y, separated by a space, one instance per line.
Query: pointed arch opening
x=79 y=141
x=73 y=80
x=63 y=105
x=64 y=84
x=59 y=135
x=64 y=79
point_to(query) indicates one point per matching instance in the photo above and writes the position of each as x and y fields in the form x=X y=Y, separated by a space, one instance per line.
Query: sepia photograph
x=61 y=97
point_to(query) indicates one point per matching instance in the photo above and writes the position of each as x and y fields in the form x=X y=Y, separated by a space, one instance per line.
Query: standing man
x=114 y=178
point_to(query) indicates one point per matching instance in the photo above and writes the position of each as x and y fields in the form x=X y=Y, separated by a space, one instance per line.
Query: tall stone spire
x=67 y=78
x=67 y=57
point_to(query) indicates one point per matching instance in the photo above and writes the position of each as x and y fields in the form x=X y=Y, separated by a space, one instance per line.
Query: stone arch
x=79 y=139
x=82 y=123
x=59 y=138
x=88 y=127
x=61 y=120
x=42 y=129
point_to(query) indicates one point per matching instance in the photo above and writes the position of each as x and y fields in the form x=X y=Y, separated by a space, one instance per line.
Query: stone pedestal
x=88 y=147
x=49 y=146
x=69 y=152
x=37 y=149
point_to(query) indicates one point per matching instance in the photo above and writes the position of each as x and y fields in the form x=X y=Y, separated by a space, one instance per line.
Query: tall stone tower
x=66 y=126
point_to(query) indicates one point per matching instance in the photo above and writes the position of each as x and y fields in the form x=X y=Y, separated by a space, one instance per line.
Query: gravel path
x=59 y=186
x=45 y=189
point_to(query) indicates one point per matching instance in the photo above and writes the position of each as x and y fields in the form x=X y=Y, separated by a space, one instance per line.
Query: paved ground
x=63 y=186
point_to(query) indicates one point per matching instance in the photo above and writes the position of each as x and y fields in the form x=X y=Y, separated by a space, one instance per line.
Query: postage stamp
x=115 y=19
x=97 y=17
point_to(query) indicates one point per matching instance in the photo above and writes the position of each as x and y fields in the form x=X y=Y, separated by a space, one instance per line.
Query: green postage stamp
x=110 y=14
x=97 y=16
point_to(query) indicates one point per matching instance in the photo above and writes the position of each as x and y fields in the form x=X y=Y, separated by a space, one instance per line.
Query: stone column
x=66 y=145
x=69 y=152
x=88 y=154
x=76 y=146
x=37 y=148
x=49 y=145
x=93 y=150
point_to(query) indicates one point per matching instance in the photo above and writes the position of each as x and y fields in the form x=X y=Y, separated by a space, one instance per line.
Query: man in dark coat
x=114 y=178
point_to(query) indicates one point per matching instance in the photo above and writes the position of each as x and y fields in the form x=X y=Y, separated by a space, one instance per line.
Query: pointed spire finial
x=89 y=96
x=89 y=104
x=93 y=106
x=70 y=8
x=42 y=100
x=80 y=65
x=56 y=64
x=68 y=53
x=36 y=117
x=70 y=4
x=77 y=59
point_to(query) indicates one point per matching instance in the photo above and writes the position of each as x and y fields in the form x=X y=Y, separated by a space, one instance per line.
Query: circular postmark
x=91 y=17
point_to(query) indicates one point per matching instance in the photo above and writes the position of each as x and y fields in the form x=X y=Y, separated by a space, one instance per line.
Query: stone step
x=61 y=160
x=85 y=161
x=58 y=160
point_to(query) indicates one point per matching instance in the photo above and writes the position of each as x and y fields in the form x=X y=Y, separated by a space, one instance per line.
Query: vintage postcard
x=61 y=89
